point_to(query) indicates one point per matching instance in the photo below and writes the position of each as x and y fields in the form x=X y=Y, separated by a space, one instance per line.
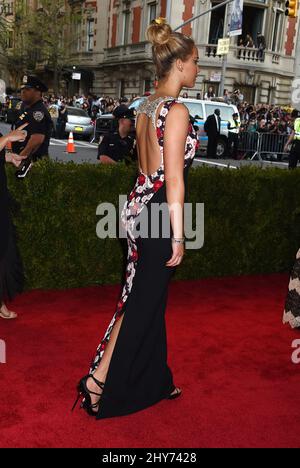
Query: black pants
x=212 y=147
x=294 y=155
x=60 y=130
x=233 y=142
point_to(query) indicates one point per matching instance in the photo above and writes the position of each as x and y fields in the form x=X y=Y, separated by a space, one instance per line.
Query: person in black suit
x=212 y=127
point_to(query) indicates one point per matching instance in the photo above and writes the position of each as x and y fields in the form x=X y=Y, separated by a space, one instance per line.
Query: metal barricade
x=262 y=146
x=271 y=146
x=248 y=145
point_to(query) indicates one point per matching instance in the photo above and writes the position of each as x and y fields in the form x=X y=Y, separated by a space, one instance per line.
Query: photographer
x=120 y=145
x=62 y=120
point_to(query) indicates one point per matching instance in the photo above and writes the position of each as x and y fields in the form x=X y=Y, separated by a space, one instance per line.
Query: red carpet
x=227 y=348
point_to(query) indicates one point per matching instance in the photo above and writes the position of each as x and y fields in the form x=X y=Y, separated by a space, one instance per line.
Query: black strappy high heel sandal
x=175 y=395
x=86 y=394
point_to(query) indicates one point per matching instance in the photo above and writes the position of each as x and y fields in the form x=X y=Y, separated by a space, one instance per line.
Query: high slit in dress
x=138 y=374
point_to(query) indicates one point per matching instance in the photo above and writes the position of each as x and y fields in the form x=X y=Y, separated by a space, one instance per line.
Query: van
x=201 y=110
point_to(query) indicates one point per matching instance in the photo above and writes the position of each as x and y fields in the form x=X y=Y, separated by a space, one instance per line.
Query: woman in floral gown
x=130 y=371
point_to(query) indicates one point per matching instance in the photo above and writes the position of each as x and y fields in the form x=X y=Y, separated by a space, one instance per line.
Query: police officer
x=119 y=145
x=294 y=138
x=233 y=135
x=39 y=128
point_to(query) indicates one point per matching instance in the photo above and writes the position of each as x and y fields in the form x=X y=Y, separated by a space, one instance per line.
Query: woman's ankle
x=100 y=376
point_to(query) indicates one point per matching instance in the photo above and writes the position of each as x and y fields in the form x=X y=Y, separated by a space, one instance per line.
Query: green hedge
x=252 y=222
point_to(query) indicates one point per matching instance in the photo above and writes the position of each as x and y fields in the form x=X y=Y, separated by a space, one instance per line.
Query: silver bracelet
x=180 y=240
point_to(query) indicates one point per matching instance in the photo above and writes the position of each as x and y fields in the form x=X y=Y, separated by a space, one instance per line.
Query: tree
x=43 y=39
x=5 y=34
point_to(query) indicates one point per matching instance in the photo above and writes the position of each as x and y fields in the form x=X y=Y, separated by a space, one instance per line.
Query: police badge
x=38 y=116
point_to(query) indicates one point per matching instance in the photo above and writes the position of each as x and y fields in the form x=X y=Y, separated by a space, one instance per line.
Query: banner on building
x=216 y=77
x=236 y=22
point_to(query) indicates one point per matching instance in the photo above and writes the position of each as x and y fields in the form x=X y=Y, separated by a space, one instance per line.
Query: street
x=87 y=153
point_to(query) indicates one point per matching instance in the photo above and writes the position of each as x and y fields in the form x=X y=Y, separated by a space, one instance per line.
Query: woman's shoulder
x=178 y=108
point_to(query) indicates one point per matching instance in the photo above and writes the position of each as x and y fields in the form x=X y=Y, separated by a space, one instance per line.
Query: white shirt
x=217 y=119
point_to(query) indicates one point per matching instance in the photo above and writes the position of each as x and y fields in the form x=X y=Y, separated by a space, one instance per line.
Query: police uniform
x=116 y=147
x=38 y=119
x=233 y=135
x=294 y=156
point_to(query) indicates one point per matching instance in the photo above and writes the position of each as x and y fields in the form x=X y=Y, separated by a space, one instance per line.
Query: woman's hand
x=18 y=135
x=14 y=159
x=178 y=253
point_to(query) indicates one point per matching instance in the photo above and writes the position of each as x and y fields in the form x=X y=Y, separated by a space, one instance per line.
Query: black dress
x=11 y=271
x=138 y=374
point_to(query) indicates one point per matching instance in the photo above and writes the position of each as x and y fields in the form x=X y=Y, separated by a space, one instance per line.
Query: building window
x=277 y=31
x=152 y=11
x=78 y=38
x=90 y=35
x=253 y=23
x=126 y=27
x=121 y=88
x=7 y=8
x=75 y=35
x=210 y=84
x=216 y=24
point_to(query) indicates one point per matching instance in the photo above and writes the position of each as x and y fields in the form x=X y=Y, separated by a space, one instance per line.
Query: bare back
x=149 y=152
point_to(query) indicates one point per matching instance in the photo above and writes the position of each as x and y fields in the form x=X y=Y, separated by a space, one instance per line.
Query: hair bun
x=159 y=32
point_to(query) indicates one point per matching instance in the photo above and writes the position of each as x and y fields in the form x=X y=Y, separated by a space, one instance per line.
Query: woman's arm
x=16 y=135
x=3 y=142
x=176 y=130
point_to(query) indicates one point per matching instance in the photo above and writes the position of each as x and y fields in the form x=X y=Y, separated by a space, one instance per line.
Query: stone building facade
x=113 y=57
x=126 y=66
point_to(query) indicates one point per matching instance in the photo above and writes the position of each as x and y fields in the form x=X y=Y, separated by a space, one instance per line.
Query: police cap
x=33 y=82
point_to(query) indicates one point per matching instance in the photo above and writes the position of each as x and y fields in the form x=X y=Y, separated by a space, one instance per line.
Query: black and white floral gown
x=139 y=375
x=291 y=312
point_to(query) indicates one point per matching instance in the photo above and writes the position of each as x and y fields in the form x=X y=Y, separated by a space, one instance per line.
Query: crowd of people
x=92 y=104
x=265 y=118
x=254 y=118
x=260 y=118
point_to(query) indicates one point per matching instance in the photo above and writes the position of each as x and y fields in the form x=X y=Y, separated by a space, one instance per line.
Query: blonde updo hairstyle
x=167 y=46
